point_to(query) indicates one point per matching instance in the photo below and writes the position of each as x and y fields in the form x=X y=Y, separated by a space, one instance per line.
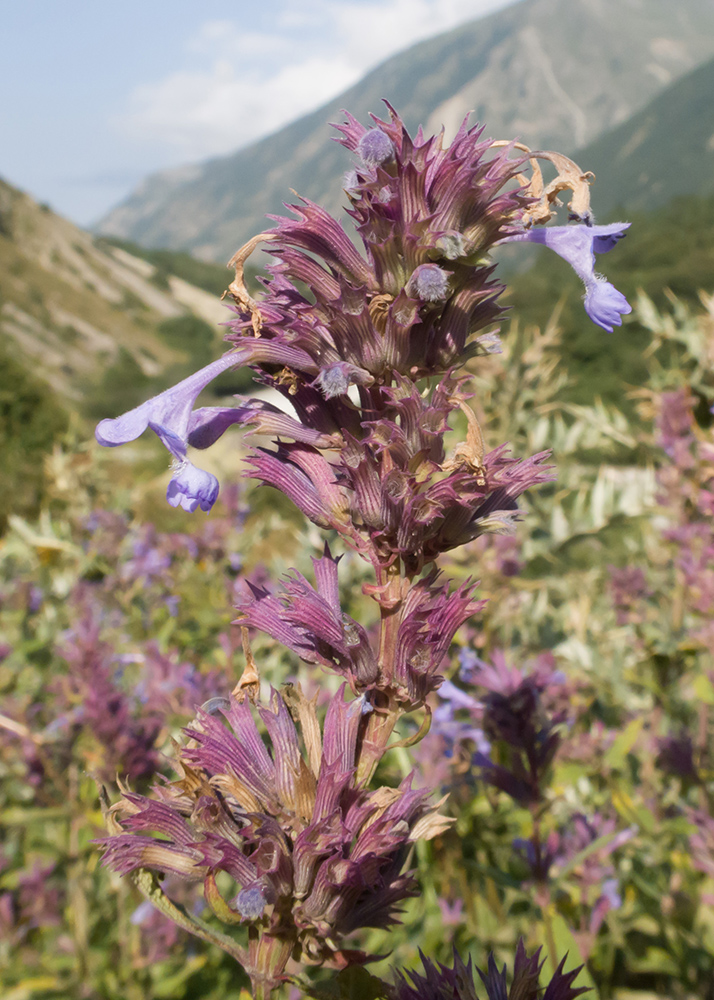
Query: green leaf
x=704 y=689
x=565 y=944
x=354 y=983
x=170 y=986
x=615 y=756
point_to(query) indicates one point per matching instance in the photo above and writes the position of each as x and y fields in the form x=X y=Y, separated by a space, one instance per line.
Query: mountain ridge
x=532 y=70
x=662 y=152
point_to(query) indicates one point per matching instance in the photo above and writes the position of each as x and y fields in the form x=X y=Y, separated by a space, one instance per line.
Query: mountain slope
x=663 y=151
x=535 y=69
x=72 y=307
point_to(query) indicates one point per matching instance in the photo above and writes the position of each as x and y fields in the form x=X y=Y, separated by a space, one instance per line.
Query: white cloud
x=237 y=85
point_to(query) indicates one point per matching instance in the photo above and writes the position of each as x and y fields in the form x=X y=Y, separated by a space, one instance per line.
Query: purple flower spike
x=578 y=245
x=191 y=488
x=375 y=147
x=440 y=981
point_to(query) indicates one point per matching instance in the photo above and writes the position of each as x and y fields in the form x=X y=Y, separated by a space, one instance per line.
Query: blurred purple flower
x=525 y=736
x=675 y=755
x=628 y=588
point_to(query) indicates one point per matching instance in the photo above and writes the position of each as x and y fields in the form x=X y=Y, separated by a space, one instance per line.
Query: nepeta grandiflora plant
x=367 y=348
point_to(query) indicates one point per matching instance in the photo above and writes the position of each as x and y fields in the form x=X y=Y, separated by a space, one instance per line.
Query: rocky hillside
x=73 y=308
x=663 y=152
x=558 y=73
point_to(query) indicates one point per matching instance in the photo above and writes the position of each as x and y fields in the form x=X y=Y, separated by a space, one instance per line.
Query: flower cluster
x=412 y=307
x=309 y=854
x=364 y=350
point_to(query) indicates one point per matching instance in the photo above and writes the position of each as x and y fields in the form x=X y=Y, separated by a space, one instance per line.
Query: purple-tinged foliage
x=628 y=587
x=590 y=843
x=312 y=623
x=159 y=935
x=442 y=983
x=701 y=841
x=35 y=902
x=675 y=756
x=124 y=736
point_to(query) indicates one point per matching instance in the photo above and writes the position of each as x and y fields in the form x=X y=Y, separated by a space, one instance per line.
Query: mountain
x=556 y=73
x=662 y=152
x=90 y=328
x=72 y=307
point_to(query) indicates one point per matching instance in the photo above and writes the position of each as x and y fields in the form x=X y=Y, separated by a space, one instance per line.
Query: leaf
x=29 y=987
x=565 y=944
x=624 y=742
x=593 y=846
x=354 y=983
x=170 y=986
x=704 y=689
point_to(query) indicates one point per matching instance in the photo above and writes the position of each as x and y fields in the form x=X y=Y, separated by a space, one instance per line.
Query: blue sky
x=95 y=95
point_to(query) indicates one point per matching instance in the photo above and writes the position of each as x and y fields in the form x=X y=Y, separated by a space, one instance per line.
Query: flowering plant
x=294 y=843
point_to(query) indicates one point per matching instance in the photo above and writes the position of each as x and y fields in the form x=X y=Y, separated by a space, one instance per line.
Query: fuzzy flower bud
x=375 y=147
x=250 y=902
x=429 y=283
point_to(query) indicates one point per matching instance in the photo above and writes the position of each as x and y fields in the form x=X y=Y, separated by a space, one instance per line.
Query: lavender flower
x=169 y=415
x=172 y=417
x=578 y=245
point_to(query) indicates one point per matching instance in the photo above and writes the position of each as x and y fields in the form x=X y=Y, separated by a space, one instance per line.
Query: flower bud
x=375 y=147
x=429 y=283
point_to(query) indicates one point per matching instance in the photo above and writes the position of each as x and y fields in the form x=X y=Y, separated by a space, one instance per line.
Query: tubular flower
x=172 y=418
x=310 y=854
x=578 y=245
